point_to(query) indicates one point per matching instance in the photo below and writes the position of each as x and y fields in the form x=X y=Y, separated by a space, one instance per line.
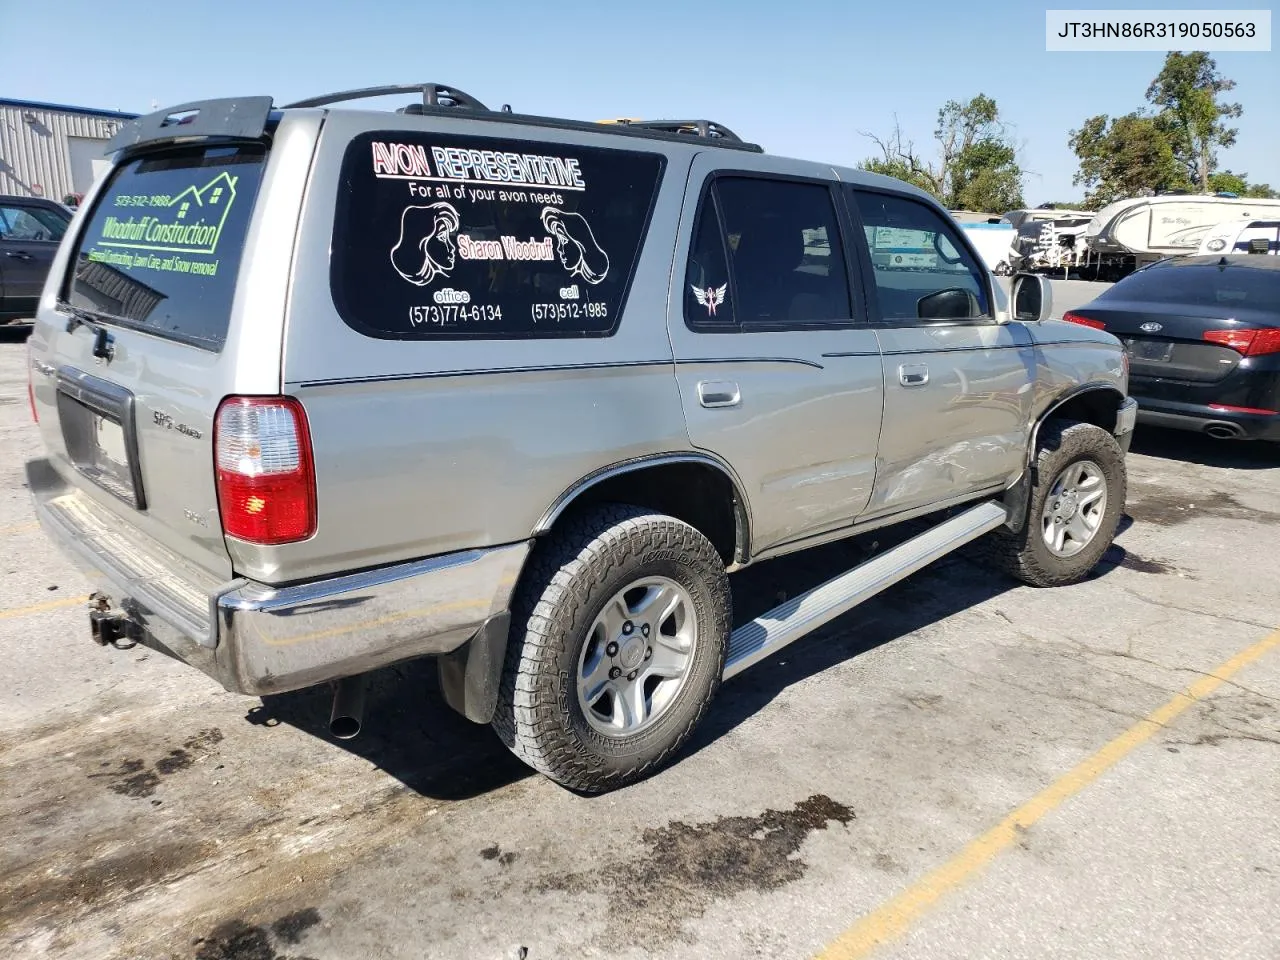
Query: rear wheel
x=619 y=632
x=1076 y=502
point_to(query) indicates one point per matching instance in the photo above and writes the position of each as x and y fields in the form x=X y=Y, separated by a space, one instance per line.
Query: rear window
x=162 y=249
x=445 y=236
x=1203 y=284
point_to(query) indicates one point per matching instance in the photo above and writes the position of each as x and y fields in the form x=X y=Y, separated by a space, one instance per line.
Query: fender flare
x=1061 y=400
x=741 y=506
x=1018 y=494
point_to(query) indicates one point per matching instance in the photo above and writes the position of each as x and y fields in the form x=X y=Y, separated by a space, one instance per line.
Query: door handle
x=20 y=255
x=913 y=374
x=718 y=393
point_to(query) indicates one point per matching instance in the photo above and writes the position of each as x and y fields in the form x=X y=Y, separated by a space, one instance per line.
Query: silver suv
x=325 y=389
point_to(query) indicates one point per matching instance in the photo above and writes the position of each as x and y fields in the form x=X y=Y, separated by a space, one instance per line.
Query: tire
x=1064 y=445
x=560 y=625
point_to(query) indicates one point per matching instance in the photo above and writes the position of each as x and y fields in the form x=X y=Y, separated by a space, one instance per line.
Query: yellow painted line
x=19 y=528
x=893 y=918
x=42 y=607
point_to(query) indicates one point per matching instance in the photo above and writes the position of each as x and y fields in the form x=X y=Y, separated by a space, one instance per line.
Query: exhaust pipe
x=347 y=715
x=1224 y=431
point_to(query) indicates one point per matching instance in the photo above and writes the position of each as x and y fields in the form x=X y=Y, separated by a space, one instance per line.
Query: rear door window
x=162 y=248
x=438 y=235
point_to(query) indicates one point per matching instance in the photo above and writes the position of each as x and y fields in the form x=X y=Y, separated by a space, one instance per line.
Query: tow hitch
x=108 y=627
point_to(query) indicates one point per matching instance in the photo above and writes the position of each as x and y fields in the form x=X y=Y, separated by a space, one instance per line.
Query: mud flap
x=470 y=675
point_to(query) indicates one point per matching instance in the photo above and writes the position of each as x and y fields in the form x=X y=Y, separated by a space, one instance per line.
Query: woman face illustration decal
x=426 y=248
x=576 y=244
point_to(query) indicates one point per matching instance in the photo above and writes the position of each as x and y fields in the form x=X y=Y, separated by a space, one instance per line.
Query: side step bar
x=788 y=622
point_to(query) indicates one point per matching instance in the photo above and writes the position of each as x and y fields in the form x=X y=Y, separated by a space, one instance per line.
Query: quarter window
x=707 y=297
x=438 y=234
x=922 y=271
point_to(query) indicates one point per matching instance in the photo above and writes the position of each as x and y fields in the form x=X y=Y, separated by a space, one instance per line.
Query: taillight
x=1071 y=317
x=266 y=474
x=1248 y=343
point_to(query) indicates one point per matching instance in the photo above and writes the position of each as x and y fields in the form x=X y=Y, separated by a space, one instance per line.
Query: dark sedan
x=1203 y=337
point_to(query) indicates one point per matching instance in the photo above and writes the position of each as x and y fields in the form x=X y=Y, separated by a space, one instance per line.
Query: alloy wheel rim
x=637 y=656
x=1074 y=508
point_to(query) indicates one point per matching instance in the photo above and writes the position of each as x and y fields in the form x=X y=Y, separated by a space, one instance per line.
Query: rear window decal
x=163 y=242
x=711 y=297
x=449 y=236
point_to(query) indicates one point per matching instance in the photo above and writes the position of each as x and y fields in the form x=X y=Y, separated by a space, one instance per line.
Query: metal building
x=50 y=150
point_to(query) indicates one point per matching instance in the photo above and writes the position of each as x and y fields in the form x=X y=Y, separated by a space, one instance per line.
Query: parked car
x=322 y=389
x=30 y=230
x=1203 y=336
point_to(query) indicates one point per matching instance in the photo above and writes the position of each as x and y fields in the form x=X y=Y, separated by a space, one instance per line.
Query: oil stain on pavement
x=686 y=867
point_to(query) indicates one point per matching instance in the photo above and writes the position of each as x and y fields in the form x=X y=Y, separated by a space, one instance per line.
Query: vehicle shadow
x=412 y=735
x=947 y=587
x=1191 y=447
x=409 y=733
x=14 y=332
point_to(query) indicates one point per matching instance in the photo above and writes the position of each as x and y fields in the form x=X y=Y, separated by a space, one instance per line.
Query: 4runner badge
x=711 y=297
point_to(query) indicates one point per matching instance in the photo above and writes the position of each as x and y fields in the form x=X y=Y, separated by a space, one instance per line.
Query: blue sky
x=800 y=78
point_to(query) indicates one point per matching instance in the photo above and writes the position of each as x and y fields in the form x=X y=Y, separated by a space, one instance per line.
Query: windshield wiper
x=102 y=348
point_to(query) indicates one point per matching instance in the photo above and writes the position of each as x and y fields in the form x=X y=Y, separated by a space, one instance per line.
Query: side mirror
x=1031 y=298
x=953 y=303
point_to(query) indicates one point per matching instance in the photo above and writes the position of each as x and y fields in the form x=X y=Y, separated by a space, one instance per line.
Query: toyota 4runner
x=322 y=389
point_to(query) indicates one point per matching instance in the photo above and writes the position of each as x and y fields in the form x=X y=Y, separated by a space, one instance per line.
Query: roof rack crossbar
x=433 y=95
x=700 y=128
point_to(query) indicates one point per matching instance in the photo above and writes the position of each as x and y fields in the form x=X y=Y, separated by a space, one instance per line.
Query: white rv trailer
x=1130 y=233
x=1243 y=236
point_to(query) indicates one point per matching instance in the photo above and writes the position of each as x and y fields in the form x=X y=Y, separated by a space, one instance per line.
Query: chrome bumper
x=1126 y=420
x=257 y=639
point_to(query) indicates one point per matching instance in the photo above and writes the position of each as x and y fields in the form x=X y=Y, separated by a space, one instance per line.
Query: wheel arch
x=695 y=487
x=1097 y=403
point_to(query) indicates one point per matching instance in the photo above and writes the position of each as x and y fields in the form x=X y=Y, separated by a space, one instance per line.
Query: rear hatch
x=1188 y=322
x=131 y=365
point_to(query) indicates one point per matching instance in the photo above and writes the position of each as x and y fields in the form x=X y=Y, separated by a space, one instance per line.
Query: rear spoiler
x=238 y=118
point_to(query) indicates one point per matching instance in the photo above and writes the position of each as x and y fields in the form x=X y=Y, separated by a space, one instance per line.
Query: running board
x=784 y=624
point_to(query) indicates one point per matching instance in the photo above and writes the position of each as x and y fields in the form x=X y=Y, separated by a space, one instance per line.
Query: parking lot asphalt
x=963 y=767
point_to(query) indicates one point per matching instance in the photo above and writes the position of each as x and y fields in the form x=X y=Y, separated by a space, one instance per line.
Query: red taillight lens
x=1249 y=343
x=1238 y=340
x=266 y=474
x=1083 y=321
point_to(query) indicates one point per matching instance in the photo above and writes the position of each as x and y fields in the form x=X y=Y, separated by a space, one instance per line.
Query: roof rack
x=433 y=95
x=695 y=128
x=444 y=97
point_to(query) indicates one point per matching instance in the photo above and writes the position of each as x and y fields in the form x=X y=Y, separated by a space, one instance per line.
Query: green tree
x=1126 y=157
x=1227 y=182
x=976 y=166
x=1186 y=94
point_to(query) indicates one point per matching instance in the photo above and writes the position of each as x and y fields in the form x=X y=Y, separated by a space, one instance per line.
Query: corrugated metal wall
x=35 y=153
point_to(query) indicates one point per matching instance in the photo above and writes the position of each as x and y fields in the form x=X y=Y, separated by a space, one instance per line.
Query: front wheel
x=1075 y=506
x=619 y=633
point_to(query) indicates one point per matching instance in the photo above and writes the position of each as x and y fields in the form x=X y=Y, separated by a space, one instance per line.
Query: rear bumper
x=257 y=639
x=1204 y=419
